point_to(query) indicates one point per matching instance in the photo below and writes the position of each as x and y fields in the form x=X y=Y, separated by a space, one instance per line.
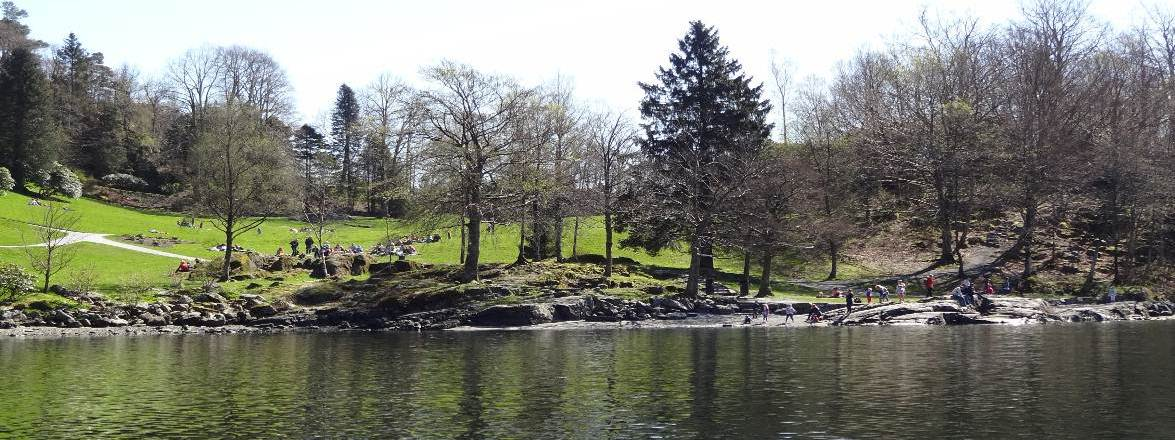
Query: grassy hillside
x=122 y=272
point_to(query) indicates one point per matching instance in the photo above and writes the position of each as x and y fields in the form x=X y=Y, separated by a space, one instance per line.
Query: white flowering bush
x=58 y=179
x=6 y=182
x=14 y=282
x=124 y=181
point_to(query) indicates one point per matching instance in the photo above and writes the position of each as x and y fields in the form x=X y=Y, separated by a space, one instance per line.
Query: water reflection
x=1108 y=380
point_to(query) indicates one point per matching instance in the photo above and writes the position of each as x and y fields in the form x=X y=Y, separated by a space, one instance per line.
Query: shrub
x=58 y=179
x=124 y=181
x=171 y=188
x=14 y=282
x=6 y=182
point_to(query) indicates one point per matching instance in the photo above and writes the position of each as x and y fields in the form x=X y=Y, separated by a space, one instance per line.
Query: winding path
x=72 y=237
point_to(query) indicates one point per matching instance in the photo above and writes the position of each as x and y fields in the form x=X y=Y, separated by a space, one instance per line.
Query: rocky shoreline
x=211 y=313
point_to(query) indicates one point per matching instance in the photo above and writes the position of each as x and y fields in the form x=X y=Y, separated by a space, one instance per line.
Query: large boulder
x=517 y=314
x=317 y=294
x=340 y=265
x=210 y=297
x=282 y=263
x=571 y=308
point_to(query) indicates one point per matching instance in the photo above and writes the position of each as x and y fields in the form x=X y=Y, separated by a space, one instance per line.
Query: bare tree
x=832 y=162
x=472 y=116
x=51 y=253
x=611 y=149
x=239 y=173
x=781 y=75
x=193 y=78
x=393 y=111
x=256 y=79
x=1049 y=50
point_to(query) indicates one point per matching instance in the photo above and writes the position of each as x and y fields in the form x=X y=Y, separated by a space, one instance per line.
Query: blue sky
x=606 y=47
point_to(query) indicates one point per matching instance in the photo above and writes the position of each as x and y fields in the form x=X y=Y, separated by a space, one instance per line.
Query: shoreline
x=545 y=316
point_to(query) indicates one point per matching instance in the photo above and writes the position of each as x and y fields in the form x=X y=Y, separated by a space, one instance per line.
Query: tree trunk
x=744 y=284
x=558 y=233
x=765 y=280
x=1088 y=287
x=575 y=240
x=707 y=267
x=607 y=242
x=473 y=249
x=1029 y=224
x=462 y=247
x=832 y=254
x=959 y=259
x=691 y=282
x=522 y=240
x=537 y=231
x=226 y=271
x=946 y=254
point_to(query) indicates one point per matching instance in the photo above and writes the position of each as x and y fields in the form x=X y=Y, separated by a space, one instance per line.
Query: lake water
x=1054 y=381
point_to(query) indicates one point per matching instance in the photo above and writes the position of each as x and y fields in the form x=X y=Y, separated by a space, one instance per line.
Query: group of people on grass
x=401 y=247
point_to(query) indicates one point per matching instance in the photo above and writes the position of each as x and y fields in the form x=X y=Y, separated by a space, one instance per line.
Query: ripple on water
x=1105 y=380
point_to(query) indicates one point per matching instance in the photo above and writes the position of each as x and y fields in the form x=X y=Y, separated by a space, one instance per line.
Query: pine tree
x=85 y=108
x=703 y=122
x=347 y=140
x=308 y=145
x=26 y=124
x=14 y=34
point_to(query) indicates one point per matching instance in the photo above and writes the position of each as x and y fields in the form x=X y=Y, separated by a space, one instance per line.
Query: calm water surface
x=1057 y=381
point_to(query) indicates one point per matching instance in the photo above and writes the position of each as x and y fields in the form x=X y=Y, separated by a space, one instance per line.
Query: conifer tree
x=347 y=139
x=703 y=122
x=26 y=120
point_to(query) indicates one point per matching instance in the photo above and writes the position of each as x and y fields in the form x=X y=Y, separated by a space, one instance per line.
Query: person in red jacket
x=929 y=285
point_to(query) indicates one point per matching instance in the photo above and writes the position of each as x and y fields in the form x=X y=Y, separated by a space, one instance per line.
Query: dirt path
x=976 y=260
x=72 y=237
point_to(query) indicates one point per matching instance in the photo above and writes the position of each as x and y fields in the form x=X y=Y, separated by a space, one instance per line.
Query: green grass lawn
x=113 y=270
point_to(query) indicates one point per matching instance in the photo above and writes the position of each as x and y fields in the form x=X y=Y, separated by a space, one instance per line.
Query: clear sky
x=604 y=46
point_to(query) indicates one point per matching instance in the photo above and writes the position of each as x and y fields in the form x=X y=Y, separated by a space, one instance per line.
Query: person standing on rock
x=901 y=290
x=1111 y=294
x=849 y=301
x=789 y=314
x=766 y=311
x=882 y=294
x=868 y=295
x=294 y=247
x=929 y=283
x=309 y=243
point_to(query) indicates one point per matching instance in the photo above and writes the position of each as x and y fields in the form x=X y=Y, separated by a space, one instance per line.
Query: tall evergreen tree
x=308 y=145
x=86 y=110
x=26 y=122
x=703 y=122
x=347 y=139
x=14 y=34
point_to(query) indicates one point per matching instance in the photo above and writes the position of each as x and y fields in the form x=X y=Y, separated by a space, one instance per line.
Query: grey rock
x=210 y=297
x=510 y=315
